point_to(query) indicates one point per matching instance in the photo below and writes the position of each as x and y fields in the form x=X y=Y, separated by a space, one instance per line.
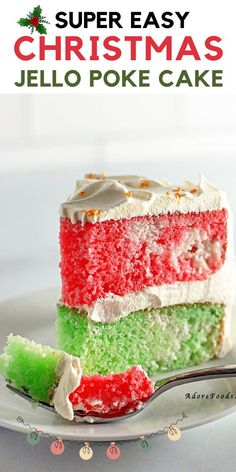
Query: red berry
x=34 y=21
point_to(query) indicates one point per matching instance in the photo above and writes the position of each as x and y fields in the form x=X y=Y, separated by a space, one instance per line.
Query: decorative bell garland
x=113 y=451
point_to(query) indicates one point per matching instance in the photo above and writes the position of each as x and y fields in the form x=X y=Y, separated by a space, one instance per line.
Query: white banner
x=75 y=47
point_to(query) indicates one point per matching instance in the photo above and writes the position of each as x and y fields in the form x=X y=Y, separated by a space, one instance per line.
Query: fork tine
x=88 y=418
x=19 y=392
x=29 y=399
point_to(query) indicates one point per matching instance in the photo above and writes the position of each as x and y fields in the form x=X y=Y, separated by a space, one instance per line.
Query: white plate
x=33 y=316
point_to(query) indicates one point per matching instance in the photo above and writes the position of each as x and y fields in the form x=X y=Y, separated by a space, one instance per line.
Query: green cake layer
x=30 y=367
x=161 y=339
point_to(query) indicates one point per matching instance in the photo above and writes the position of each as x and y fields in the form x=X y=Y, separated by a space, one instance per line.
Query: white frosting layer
x=70 y=372
x=112 y=198
x=219 y=288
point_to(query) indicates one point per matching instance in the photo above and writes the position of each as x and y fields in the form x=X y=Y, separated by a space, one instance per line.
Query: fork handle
x=195 y=376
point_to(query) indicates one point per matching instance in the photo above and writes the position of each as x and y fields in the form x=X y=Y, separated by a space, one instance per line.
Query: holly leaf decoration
x=24 y=22
x=35 y=21
x=41 y=29
x=37 y=11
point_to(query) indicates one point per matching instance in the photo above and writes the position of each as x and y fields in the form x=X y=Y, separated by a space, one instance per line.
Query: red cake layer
x=128 y=255
x=113 y=394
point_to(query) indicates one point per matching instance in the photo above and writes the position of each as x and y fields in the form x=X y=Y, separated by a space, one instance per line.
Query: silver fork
x=161 y=386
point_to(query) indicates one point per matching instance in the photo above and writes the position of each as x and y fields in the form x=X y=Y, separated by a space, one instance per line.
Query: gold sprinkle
x=93 y=176
x=178 y=192
x=168 y=193
x=92 y=212
x=82 y=194
x=178 y=195
x=89 y=176
x=144 y=184
x=128 y=194
x=194 y=190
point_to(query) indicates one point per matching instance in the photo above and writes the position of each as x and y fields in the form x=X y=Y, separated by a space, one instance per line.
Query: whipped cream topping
x=218 y=288
x=101 y=198
x=69 y=372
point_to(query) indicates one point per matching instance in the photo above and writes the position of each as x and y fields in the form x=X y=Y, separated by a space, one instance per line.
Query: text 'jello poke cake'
x=147 y=274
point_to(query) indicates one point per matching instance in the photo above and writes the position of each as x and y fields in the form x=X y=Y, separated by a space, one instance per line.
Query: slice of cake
x=147 y=274
x=56 y=378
